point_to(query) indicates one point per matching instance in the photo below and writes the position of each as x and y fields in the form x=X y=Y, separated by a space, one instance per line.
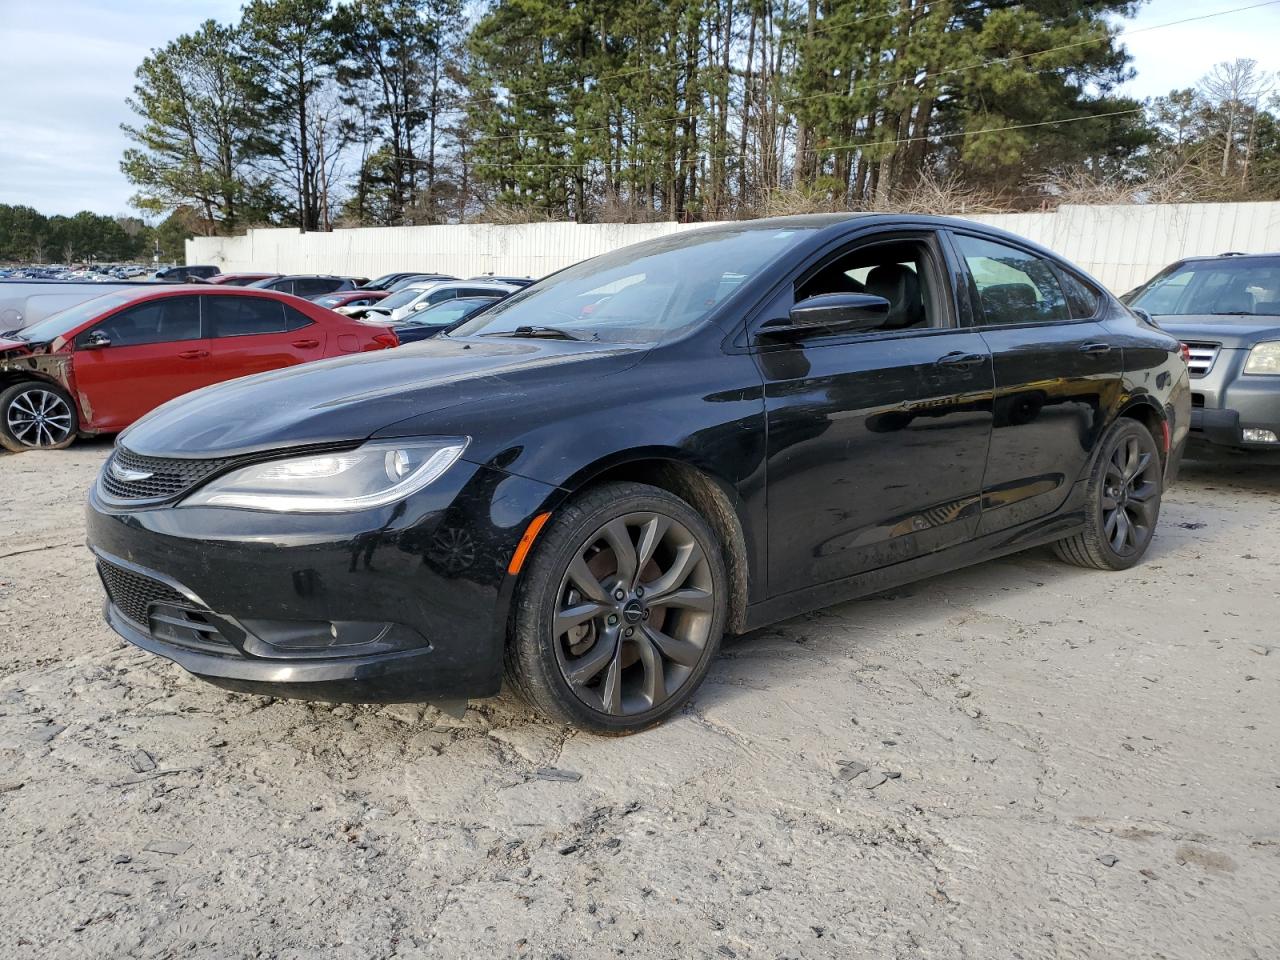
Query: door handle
x=193 y=354
x=958 y=359
x=1096 y=349
x=306 y=344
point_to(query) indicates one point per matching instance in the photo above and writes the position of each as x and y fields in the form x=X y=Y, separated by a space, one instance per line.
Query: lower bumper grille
x=133 y=594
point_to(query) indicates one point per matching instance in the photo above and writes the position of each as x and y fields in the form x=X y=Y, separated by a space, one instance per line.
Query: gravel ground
x=1058 y=763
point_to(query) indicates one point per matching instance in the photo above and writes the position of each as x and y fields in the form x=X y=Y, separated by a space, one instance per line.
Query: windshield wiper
x=528 y=331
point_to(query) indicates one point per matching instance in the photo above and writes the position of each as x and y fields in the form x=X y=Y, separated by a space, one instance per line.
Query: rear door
x=251 y=334
x=153 y=352
x=1058 y=373
x=876 y=440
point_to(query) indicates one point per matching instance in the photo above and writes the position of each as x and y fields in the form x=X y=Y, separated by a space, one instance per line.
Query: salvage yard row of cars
x=100 y=364
x=582 y=485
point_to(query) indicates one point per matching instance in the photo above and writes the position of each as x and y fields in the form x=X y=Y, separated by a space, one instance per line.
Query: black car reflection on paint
x=587 y=485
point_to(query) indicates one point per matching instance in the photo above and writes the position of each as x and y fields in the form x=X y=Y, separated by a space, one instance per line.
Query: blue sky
x=66 y=67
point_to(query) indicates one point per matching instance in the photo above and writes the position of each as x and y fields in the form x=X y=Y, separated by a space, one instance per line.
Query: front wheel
x=620 y=611
x=1123 y=501
x=37 y=416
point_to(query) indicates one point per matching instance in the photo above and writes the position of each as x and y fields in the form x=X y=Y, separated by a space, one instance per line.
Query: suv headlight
x=373 y=475
x=1264 y=358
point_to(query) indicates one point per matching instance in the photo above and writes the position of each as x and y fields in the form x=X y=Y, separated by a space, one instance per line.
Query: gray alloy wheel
x=634 y=614
x=36 y=416
x=619 y=610
x=1130 y=494
x=1122 y=501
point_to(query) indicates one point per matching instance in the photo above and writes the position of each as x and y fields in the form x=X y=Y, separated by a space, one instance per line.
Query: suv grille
x=161 y=478
x=133 y=594
x=1202 y=357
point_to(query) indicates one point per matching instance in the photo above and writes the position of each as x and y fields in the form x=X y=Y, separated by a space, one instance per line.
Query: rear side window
x=243 y=316
x=157 y=321
x=1013 y=286
x=296 y=319
x=1082 y=299
x=315 y=287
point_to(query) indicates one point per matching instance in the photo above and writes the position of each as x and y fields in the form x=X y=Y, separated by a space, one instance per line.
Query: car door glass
x=1082 y=299
x=157 y=321
x=295 y=319
x=899 y=271
x=1013 y=286
x=244 y=316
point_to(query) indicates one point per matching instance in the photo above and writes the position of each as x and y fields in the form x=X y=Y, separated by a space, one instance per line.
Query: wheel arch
x=1148 y=411
x=711 y=495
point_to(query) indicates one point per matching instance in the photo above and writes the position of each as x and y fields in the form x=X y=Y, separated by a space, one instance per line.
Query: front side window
x=899 y=271
x=157 y=321
x=1223 y=287
x=1013 y=286
x=243 y=316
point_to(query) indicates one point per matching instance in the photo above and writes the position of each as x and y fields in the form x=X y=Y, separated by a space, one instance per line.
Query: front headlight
x=1264 y=358
x=370 y=476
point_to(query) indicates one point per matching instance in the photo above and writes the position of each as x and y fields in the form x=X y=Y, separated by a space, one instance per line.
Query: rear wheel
x=37 y=416
x=620 y=610
x=1123 y=501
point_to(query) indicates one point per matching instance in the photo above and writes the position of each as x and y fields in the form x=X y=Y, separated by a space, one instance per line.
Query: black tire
x=618 y=647
x=1123 y=501
x=36 y=415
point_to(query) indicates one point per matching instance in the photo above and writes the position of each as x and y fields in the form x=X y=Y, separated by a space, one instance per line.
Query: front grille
x=160 y=478
x=133 y=594
x=1202 y=357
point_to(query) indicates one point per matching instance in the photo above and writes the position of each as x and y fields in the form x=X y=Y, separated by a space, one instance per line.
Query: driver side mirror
x=843 y=312
x=96 y=341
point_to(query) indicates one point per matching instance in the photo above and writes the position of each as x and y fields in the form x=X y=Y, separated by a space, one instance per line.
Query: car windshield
x=1231 y=286
x=401 y=298
x=61 y=323
x=639 y=294
x=448 y=312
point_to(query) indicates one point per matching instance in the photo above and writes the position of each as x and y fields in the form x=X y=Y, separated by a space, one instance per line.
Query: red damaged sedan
x=102 y=364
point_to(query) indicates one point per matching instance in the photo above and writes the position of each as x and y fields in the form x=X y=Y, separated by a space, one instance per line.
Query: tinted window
x=296 y=319
x=440 y=296
x=1082 y=299
x=243 y=316
x=315 y=286
x=1013 y=286
x=157 y=321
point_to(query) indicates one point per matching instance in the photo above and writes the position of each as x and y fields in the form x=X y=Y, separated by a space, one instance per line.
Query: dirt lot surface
x=1058 y=763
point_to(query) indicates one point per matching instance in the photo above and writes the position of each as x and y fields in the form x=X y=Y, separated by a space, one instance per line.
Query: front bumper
x=412 y=597
x=1227 y=401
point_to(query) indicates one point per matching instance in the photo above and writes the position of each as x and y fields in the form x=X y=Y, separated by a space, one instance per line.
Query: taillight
x=386 y=340
x=1186 y=353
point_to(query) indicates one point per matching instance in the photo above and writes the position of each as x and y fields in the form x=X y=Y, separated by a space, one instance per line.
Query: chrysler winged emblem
x=127 y=475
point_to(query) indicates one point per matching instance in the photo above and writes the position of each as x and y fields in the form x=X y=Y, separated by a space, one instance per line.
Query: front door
x=135 y=359
x=876 y=440
x=1057 y=373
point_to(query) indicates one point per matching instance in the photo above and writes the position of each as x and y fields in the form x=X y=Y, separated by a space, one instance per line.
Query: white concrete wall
x=1120 y=245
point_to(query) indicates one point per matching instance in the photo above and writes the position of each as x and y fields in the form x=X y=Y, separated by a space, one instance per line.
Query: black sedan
x=588 y=484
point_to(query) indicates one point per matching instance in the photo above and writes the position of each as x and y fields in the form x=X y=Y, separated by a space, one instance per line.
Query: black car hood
x=351 y=398
x=1238 y=331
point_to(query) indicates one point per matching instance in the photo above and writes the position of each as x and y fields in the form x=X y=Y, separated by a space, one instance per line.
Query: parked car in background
x=514 y=281
x=187 y=273
x=441 y=317
x=386 y=281
x=351 y=303
x=1226 y=310
x=241 y=279
x=99 y=366
x=767 y=417
x=306 y=285
x=403 y=304
x=413 y=278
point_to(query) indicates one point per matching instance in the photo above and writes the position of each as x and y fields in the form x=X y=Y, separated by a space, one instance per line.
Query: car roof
x=1230 y=255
